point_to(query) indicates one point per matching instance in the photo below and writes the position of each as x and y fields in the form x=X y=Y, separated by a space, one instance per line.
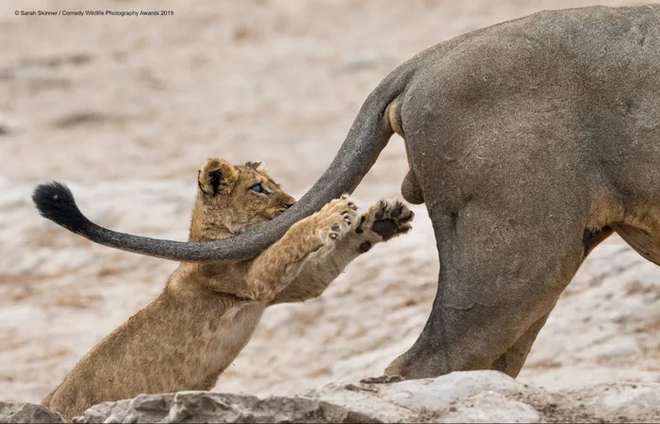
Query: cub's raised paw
x=387 y=218
x=335 y=220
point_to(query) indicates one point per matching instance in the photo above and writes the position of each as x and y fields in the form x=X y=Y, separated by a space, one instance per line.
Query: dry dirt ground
x=125 y=109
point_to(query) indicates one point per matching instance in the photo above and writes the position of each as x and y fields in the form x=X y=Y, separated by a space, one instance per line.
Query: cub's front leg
x=381 y=222
x=313 y=236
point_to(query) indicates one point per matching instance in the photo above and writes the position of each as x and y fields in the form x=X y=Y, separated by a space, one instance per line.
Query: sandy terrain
x=125 y=109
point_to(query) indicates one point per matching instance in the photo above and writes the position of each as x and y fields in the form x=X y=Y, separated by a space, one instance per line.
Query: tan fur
x=207 y=313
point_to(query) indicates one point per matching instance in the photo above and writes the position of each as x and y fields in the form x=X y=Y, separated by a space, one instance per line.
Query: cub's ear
x=254 y=165
x=217 y=177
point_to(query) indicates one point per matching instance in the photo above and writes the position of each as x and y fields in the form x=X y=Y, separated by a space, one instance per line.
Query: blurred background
x=126 y=109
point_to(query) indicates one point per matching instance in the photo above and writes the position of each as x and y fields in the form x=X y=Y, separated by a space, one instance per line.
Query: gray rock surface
x=490 y=396
x=196 y=407
x=493 y=392
x=27 y=413
x=475 y=396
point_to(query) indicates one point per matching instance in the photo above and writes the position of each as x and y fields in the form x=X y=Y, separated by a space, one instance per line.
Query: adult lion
x=530 y=141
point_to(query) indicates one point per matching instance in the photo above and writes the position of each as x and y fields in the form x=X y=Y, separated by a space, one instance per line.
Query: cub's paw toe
x=336 y=219
x=387 y=218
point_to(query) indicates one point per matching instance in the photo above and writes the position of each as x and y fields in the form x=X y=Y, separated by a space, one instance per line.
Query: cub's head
x=232 y=199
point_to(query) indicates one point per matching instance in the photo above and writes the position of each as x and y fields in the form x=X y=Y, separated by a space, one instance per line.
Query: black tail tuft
x=55 y=202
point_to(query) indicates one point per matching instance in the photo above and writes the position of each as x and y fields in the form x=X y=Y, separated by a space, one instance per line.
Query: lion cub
x=207 y=313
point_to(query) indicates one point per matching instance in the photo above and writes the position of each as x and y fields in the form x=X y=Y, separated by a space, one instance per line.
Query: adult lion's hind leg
x=512 y=361
x=497 y=283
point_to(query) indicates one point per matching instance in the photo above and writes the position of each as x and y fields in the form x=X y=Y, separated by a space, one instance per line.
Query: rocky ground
x=475 y=396
x=125 y=110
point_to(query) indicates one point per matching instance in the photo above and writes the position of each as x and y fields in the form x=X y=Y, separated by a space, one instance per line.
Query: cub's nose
x=288 y=205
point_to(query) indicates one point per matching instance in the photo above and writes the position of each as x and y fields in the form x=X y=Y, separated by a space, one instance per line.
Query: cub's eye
x=258 y=188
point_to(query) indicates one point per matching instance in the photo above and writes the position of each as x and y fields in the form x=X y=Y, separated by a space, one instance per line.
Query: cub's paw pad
x=388 y=219
x=383 y=379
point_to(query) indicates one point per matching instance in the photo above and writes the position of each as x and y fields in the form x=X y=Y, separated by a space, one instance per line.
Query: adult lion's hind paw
x=387 y=218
